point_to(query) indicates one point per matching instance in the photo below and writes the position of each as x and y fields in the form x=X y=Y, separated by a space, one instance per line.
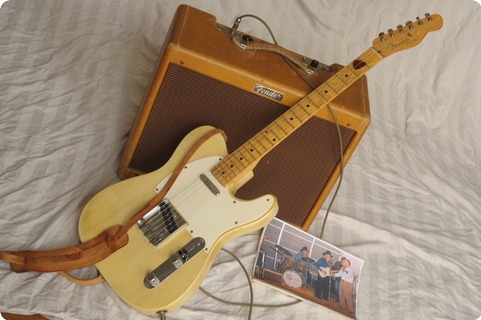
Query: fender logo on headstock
x=408 y=36
x=404 y=41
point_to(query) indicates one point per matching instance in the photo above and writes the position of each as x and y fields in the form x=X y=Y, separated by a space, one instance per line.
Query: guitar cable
x=251 y=303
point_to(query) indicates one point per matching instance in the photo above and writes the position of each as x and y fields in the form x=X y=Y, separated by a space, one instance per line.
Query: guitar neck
x=243 y=160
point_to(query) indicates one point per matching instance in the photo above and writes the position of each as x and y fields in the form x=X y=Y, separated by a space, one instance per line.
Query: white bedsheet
x=72 y=74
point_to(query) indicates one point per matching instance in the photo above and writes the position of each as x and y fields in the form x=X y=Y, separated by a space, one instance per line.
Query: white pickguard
x=209 y=215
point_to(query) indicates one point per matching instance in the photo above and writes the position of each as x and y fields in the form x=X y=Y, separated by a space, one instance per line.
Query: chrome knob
x=152 y=280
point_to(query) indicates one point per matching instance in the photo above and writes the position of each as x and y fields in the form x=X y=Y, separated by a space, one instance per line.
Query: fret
x=353 y=71
x=316 y=99
x=339 y=86
x=222 y=172
x=217 y=174
x=253 y=150
x=238 y=160
x=258 y=137
x=277 y=122
x=293 y=119
x=332 y=84
x=325 y=93
x=287 y=124
x=346 y=75
x=248 y=154
x=229 y=167
x=279 y=134
x=308 y=98
x=270 y=135
x=300 y=113
x=307 y=108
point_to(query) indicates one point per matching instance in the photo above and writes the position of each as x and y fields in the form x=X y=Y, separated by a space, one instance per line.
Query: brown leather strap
x=69 y=258
x=83 y=282
x=98 y=248
x=11 y=257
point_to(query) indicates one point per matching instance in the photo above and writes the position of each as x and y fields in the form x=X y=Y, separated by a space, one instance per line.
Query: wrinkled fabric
x=72 y=77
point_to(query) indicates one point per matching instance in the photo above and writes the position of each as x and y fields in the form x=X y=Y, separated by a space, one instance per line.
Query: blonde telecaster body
x=215 y=217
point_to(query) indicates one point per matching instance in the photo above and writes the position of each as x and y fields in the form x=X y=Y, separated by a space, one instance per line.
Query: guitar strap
x=98 y=248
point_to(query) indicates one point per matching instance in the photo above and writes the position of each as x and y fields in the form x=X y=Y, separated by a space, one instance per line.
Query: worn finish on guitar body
x=217 y=218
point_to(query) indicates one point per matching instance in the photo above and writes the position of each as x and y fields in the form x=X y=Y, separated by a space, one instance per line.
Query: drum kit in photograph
x=295 y=275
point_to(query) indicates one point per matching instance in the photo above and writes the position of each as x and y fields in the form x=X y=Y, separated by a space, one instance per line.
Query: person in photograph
x=302 y=261
x=336 y=267
x=346 y=286
x=303 y=253
x=323 y=280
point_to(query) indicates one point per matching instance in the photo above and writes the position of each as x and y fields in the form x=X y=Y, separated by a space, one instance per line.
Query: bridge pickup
x=160 y=222
x=176 y=261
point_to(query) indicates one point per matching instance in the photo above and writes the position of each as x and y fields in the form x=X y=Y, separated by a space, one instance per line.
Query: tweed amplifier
x=203 y=77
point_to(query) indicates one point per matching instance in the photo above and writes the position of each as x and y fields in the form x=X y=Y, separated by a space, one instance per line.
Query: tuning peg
x=427 y=15
x=409 y=24
x=381 y=36
x=419 y=21
x=400 y=28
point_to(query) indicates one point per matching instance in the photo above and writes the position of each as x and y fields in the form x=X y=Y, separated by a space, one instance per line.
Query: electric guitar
x=172 y=246
x=324 y=272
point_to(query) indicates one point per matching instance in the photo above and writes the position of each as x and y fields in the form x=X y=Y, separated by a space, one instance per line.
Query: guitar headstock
x=408 y=36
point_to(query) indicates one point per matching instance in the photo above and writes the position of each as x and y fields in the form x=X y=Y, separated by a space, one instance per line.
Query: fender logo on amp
x=268 y=92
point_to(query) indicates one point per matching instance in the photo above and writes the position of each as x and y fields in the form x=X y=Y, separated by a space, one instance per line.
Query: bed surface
x=72 y=75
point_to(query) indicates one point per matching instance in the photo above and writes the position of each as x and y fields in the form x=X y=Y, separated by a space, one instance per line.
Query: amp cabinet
x=203 y=77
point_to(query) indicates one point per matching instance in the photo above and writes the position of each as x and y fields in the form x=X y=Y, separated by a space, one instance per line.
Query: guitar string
x=187 y=192
x=176 y=201
x=189 y=196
